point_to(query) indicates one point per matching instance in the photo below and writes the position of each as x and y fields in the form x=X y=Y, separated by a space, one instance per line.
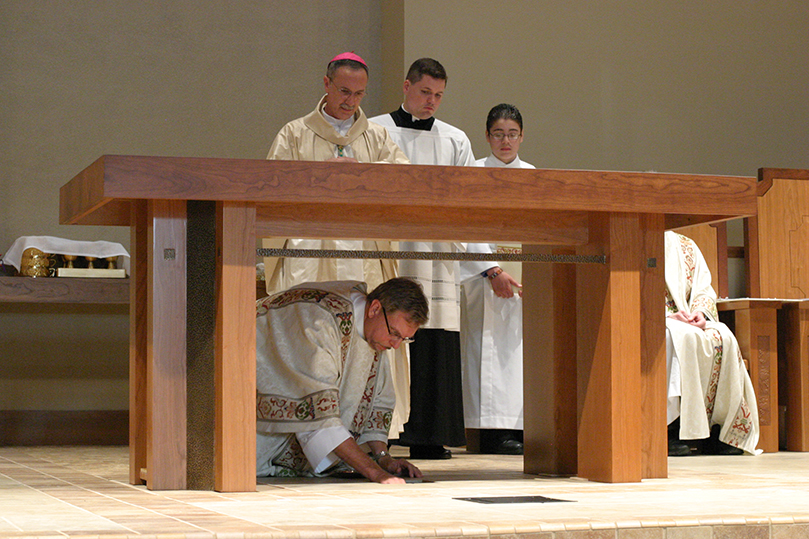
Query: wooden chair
x=772 y=323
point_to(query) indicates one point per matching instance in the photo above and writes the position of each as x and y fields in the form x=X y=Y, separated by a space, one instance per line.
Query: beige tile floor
x=83 y=492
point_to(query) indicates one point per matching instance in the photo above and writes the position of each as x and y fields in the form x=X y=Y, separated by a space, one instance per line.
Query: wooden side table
x=63 y=290
x=68 y=427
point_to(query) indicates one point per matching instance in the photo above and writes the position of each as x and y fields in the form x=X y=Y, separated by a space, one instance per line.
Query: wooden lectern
x=600 y=411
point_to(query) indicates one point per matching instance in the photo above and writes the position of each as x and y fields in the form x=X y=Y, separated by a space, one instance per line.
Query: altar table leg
x=609 y=351
x=653 y=348
x=549 y=365
x=161 y=404
x=595 y=401
x=235 y=354
x=756 y=330
x=138 y=282
x=200 y=344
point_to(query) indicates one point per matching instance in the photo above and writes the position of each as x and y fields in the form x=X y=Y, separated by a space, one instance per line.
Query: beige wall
x=675 y=86
x=82 y=78
x=697 y=87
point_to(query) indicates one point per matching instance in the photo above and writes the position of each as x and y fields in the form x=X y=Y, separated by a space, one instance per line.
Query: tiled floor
x=83 y=492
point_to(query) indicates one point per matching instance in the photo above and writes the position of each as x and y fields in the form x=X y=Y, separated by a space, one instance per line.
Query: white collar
x=413 y=117
x=341 y=126
x=496 y=162
x=359 y=300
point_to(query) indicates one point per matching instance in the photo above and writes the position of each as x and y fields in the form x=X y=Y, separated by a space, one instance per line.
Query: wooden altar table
x=599 y=411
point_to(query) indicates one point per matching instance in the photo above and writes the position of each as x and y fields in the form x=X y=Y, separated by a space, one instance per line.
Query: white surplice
x=443 y=144
x=491 y=343
x=439 y=415
x=714 y=387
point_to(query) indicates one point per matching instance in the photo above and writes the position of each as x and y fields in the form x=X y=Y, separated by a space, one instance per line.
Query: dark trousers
x=436 y=398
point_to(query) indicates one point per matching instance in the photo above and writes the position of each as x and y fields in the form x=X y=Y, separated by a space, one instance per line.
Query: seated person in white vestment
x=337 y=130
x=710 y=395
x=491 y=319
x=324 y=398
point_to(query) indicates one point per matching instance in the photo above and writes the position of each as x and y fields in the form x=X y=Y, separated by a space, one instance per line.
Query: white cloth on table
x=61 y=246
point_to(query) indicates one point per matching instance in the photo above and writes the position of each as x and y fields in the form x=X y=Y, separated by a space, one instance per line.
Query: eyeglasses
x=346 y=93
x=513 y=135
x=393 y=333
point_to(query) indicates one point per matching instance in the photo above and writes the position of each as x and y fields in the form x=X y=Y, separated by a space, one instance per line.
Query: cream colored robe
x=314 y=370
x=714 y=385
x=312 y=138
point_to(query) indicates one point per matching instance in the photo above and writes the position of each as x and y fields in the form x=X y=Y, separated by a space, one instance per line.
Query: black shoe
x=508 y=447
x=716 y=447
x=678 y=448
x=430 y=452
x=722 y=448
x=501 y=442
